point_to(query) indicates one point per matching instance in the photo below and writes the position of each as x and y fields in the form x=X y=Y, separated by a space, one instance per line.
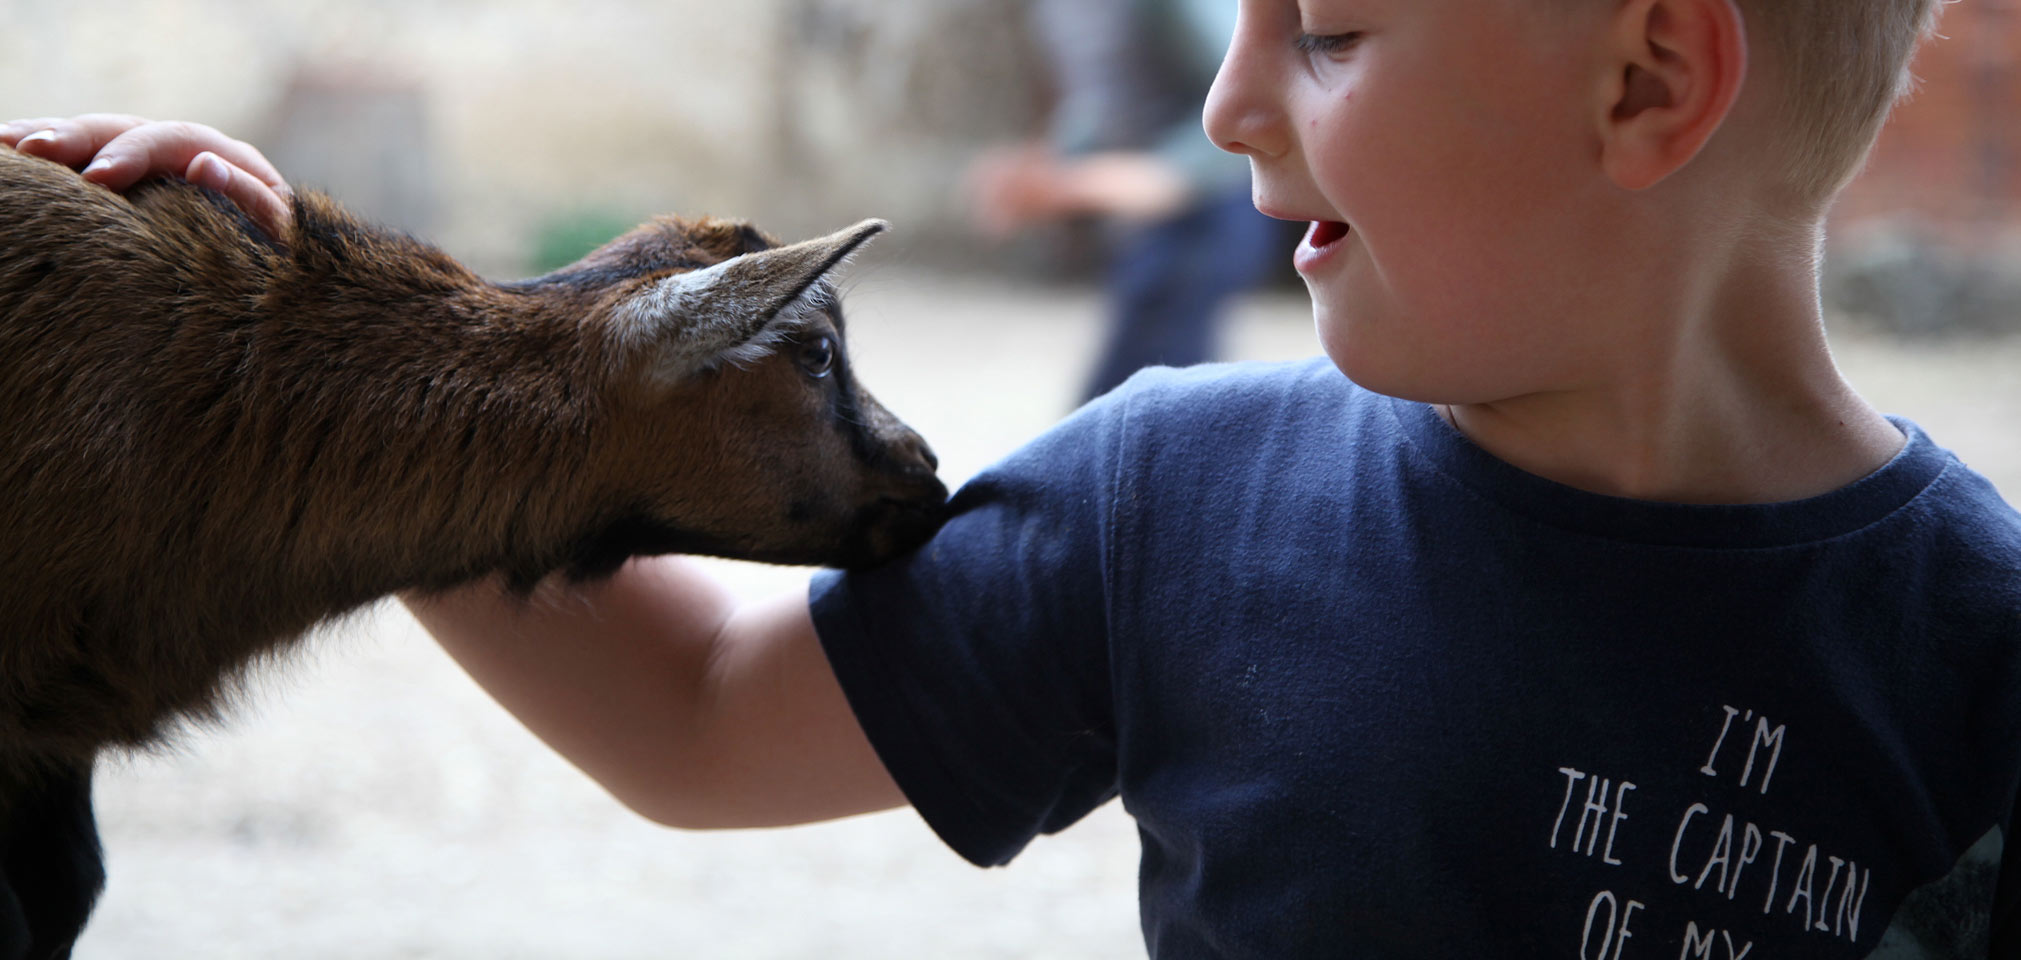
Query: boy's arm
x=691 y=709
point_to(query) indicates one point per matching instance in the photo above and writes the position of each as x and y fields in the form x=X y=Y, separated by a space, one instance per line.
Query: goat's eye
x=817 y=356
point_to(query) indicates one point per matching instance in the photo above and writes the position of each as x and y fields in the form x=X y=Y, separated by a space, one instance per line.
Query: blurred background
x=368 y=801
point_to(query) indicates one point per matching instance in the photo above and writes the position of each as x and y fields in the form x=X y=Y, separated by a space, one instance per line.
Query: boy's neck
x=1733 y=398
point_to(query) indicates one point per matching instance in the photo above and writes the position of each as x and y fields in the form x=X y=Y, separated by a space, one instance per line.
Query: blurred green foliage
x=564 y=238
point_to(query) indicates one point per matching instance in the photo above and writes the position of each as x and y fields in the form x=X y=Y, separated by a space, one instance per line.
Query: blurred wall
x=1927 y=242
x=494 y=126
x=504 y=117
x=1951 y=154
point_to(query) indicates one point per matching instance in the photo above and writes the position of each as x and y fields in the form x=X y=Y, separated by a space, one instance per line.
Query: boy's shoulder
x=1974 y=530
x=1217 y=415
x=1224 y=382
x=1233 y=399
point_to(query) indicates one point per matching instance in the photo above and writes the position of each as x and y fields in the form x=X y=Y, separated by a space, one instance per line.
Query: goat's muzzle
x=908 y=505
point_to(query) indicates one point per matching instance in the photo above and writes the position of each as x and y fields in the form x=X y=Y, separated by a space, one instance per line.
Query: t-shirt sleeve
x=979 y=665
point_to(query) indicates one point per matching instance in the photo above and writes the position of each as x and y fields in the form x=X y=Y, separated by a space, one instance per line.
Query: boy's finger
x=54 y=138
x=92 y=131
x=248 y=158
x=175 y=138
x=67 y=140
x=249 y=193
x=12 y=131
x=171 y=148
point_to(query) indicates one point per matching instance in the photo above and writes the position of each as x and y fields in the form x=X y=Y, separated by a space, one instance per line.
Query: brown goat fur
x=211 y=440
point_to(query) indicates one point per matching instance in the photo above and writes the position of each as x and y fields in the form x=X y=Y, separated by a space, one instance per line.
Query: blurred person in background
x=1126 y=145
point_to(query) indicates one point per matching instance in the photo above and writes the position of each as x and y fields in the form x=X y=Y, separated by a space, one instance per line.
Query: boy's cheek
x=1409 y=343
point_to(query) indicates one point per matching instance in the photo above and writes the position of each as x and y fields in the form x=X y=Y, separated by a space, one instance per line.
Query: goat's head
x=739 y=429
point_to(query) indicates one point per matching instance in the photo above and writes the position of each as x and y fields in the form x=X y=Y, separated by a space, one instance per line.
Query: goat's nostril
x=910 y=448
x=904 y=453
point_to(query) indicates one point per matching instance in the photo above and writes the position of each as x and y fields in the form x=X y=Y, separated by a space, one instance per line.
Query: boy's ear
x=1678 y=67
x=735 y=311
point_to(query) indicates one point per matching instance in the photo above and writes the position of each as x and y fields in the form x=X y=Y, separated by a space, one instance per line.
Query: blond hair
x=1844 y=65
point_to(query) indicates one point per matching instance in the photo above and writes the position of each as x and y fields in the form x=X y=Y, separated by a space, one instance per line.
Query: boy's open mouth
x=1318 y=248
x=1326 y=233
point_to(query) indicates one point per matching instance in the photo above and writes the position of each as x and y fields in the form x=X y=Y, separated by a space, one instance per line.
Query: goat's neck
x=426 y=436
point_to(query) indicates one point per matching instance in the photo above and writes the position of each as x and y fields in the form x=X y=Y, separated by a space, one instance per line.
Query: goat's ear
x=735 y=311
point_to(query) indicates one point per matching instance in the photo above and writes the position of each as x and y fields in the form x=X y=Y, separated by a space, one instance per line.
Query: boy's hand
x=117 y=150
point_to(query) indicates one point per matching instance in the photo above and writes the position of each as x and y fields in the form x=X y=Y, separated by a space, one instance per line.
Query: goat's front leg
x=51 y=865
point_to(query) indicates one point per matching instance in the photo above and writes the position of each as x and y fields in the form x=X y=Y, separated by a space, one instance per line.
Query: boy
x=1590 y=614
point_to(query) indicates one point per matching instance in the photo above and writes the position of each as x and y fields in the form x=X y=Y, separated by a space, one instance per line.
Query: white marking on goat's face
x=735 y=312
x=693 y=323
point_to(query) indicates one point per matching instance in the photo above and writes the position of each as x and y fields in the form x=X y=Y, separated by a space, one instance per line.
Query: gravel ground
x=368 y=801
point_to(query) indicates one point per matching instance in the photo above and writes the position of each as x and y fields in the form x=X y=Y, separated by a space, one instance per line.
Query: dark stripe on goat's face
x=847 y=409
x=846 y=405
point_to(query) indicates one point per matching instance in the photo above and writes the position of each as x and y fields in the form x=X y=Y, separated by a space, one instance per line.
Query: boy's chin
x=1349 y=344
x=1375 y=357
x=1349 y=328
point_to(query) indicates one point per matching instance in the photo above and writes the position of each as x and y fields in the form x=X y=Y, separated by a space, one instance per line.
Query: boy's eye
x=1314 y=44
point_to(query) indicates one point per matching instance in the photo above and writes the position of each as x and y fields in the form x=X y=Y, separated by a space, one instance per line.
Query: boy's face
x=1442 y=150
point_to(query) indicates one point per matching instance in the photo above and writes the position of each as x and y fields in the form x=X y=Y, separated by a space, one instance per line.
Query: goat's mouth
x=889 y=526
x=869 y=535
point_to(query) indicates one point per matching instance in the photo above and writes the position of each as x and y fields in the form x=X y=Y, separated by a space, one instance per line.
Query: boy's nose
x=1242 y=114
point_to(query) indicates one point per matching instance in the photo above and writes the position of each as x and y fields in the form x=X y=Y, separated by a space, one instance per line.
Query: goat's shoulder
x=64 y=235
x=42 y=201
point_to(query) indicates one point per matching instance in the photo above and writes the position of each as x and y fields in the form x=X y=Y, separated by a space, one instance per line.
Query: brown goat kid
x=211 y=440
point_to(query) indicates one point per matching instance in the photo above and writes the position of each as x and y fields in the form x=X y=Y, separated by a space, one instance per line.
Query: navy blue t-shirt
x=1371 y=692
